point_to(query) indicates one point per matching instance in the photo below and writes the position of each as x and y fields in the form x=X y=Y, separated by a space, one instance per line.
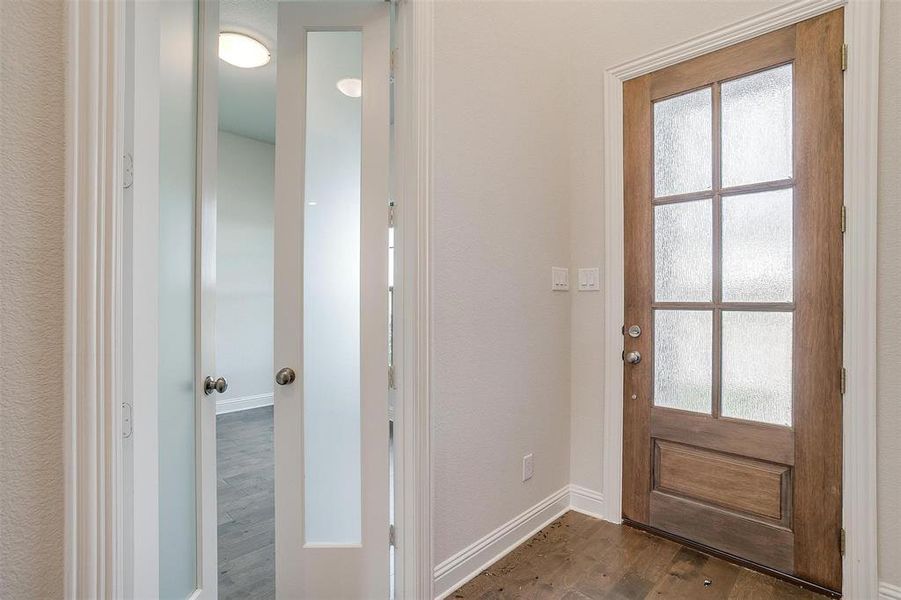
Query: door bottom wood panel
x=758 y=542
x=744 y=562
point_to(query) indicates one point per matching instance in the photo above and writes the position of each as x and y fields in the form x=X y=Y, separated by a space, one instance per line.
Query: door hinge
x=844 y=380
x=841 y=541
x=844 y=57
x=391 y=215
x=844 y=219
x=392 y=536
x=126 y=420
x=128 y=171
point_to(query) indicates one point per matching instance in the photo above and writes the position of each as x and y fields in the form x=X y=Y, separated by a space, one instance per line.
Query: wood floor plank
x=578 y=557
x=245 y=484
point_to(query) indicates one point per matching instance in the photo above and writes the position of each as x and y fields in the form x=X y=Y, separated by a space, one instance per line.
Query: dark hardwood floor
x=246 y=505
x=580 y=558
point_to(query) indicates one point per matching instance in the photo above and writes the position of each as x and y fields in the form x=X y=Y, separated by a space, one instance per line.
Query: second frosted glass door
x=331 y=231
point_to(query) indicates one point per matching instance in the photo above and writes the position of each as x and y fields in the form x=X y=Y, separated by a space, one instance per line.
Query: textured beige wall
x=32 y=71
x=500 y=221
x=888 y=315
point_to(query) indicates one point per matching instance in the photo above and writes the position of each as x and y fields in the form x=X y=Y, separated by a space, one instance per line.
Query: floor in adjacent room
x=246 y=504
x=581 y=558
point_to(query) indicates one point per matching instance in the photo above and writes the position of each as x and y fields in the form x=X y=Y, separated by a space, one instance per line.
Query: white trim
x=472 y=560
x=859 y=439
x=771 y=20
x=888 y=591
x=93 y=379
x=230 y=405
x=861 y=94
x=413 y=164
x=586 y=501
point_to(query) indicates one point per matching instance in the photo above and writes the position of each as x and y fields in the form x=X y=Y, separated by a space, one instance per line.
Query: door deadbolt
x=634 y=331
x=285 y=376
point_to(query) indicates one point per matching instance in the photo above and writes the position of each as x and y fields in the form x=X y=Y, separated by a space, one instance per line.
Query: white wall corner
x=475 y=558
x=586 y=501
x=230 y=405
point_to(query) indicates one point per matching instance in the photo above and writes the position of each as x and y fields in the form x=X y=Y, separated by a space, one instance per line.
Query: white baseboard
x=230 y=405
x=586 y=501
x=472 y=560
x=475 y=558
x=888 y=591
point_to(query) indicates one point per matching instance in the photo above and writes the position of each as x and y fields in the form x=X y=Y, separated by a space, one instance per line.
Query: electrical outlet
x=528 y=467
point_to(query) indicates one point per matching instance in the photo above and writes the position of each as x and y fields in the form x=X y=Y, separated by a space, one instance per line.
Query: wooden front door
x=733 y=300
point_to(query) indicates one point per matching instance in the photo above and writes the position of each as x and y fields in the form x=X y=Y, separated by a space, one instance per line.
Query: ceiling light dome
x=242 y=50
x=350 y=87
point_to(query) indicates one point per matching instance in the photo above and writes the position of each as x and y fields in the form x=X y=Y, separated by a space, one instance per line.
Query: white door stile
x=306 y=570
x=205 y=296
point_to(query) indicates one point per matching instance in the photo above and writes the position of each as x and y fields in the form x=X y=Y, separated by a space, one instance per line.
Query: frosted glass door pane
x=177 y=471
x=683 y=355
x=757 y=247
x=682 y=252
x=682 y=144
x=331 y=283
x=757 y=366
x=757 y=127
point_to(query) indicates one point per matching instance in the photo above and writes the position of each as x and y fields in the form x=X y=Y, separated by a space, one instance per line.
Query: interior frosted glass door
x=331 y=231
x=177 y=424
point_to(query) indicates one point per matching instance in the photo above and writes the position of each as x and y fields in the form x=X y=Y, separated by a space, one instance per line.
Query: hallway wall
x=244 y=276
x=518 y=176
x=500 y=221
x=32 y=219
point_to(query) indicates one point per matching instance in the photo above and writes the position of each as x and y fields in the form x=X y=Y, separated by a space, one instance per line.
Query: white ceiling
x=247 y=96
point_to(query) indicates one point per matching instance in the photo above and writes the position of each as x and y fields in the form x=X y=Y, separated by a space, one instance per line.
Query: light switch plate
x=559 y=279
x=590 y=280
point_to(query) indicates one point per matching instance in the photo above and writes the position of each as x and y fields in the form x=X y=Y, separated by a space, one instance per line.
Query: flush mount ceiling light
x=350 y=87
x=242 y=50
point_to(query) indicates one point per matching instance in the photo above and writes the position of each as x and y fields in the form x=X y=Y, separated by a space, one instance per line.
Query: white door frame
x=112 y=523
x=94 y=380
x=413 y=68
x=860 y=119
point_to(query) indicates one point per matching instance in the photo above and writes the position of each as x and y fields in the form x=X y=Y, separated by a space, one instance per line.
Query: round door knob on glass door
x=285 y=376
x=211 y=385
x=633 y=357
